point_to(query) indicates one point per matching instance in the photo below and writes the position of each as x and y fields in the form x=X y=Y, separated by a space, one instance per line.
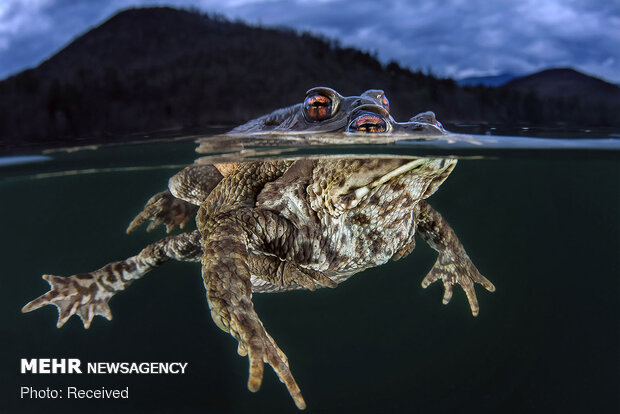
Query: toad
x=273 y=226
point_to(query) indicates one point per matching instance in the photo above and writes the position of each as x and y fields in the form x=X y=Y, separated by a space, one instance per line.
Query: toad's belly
x=352 y=247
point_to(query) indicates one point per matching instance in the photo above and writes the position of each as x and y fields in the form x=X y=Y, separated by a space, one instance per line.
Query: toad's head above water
x=325 y=110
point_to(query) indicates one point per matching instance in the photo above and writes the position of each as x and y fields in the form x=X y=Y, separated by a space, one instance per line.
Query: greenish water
x=543 y=225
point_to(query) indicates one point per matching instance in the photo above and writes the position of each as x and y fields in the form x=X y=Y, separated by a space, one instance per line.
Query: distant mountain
x=158 y=68
x=489 y=81
x=151 y=69
x=565 y=83
x=588 y=100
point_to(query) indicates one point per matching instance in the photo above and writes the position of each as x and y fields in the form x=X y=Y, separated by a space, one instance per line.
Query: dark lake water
x=539 y=218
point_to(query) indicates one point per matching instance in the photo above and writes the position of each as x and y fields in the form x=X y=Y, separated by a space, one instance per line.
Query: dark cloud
x=454 y=38
x=32 y=31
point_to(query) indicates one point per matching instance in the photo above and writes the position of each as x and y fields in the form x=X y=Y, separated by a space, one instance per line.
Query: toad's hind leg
x=163 y=209
x=226 y=274
x=87 y=294
x=174 y=207
x=453 y=265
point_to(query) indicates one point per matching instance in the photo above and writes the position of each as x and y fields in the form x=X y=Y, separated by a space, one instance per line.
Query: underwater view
x=541 y=222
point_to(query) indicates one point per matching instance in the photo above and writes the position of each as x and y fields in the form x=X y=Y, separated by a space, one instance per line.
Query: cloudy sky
x=456 y=38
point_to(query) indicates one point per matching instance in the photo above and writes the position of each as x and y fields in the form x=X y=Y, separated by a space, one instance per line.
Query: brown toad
x=281 y=225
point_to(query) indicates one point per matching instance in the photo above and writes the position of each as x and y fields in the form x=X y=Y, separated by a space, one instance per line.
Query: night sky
x=456 y=38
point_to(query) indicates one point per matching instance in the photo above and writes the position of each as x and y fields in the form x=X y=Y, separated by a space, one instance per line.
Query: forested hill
x=160 y=68
x=566 y=82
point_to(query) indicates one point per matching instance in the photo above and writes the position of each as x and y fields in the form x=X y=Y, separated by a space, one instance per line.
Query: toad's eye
x=385 y=103
x=321 y=104
x=367 y=122
x=318 y=107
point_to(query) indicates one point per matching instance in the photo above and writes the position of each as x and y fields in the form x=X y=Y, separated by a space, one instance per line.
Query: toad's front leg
x=227 y=269
x=163 y=209
x=453 y=265
x=88 y=294
x=174 y=207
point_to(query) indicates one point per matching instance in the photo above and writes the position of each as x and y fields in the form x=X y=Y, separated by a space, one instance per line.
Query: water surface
x=540 y=218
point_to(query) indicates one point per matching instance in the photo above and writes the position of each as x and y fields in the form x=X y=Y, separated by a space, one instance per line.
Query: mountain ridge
x=564 y=82
x=489 y=81
x=159 y=68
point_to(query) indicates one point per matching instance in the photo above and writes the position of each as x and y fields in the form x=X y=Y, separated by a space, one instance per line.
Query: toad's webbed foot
x=228 y=267
x=259 y=346
x=163 y=209
x=87 y=294
x=453 y=265
x=83 y=295
x=460 y=270
x=237 y=316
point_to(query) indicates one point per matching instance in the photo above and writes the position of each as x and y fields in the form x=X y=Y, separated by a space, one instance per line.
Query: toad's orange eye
x=318 y=107
x=367 y=122
x=385 y=103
